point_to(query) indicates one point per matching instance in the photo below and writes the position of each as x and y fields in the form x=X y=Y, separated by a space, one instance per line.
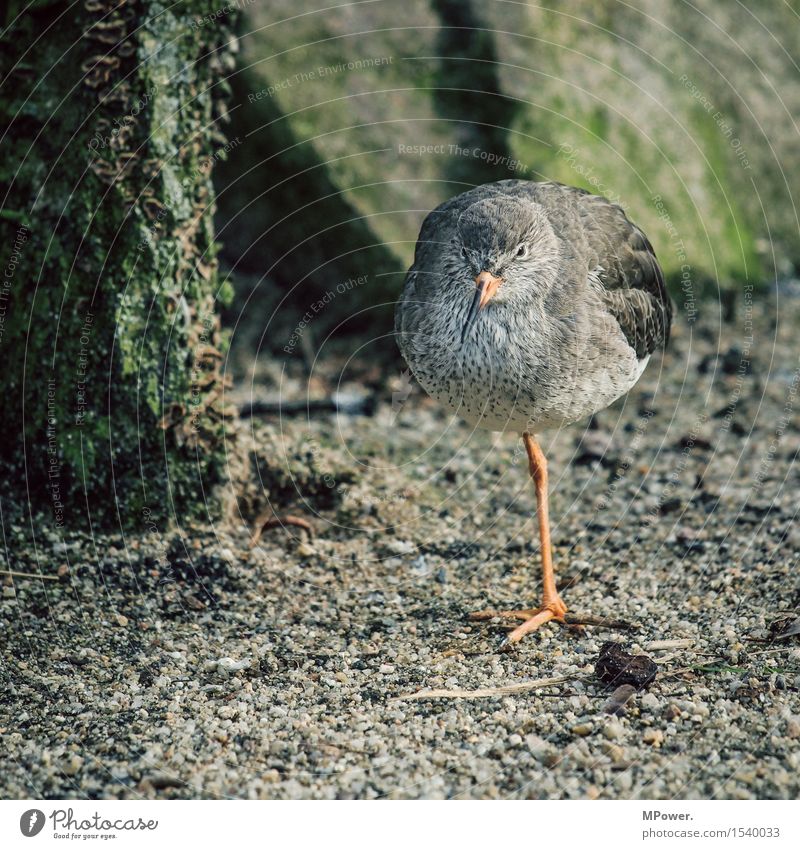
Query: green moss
x=585 y=147
x=112 y=285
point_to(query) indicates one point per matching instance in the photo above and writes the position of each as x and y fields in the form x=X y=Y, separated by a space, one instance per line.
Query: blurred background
x=193 y=606
x=349 y=125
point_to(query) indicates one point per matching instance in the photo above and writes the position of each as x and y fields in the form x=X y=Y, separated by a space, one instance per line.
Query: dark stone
x=616 y=667
x=594 y=447
x=730 y=362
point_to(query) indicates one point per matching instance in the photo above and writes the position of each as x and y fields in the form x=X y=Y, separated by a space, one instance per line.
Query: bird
x=529 y=306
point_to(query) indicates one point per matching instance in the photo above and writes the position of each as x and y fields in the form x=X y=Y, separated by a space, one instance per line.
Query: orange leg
x=552 y=608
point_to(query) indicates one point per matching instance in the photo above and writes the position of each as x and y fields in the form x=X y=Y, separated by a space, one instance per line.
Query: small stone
x=72 y=765
x=619 y=698
x=541 y=750
x=162 y=780
x=612 y=730
x=672 y=711
x=689 y=539
x=649 y=701
x=552 y=759
x=625 y=780
x=121 y=620
x=653 y=736
x=583 y=729
x=617 y=667
x=793 y=727
x=228 y=666
x=401 y=546
x=615 y=752
x=594 y=447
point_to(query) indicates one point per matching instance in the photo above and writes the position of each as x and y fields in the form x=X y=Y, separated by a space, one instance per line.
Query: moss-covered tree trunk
x=109 y=336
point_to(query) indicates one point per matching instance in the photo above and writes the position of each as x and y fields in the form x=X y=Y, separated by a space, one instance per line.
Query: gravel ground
x=190 y=665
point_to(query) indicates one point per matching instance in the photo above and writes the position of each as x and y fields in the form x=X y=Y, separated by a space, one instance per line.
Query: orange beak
x=487 y=285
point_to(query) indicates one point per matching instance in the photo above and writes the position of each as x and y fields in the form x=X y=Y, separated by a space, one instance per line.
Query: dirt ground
x=189 y=665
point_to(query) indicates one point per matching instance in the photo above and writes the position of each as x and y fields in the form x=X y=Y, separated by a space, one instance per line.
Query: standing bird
x=530 y=306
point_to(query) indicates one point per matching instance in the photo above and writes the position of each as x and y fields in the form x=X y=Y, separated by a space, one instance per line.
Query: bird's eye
x=522 y=251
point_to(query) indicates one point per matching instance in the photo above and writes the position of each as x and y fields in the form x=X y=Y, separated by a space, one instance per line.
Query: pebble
x=613 y=730
x=649 y=702
x=226 y=666
x=72 y=765
x=281 y=684
x=615 y=752
x=653 y=736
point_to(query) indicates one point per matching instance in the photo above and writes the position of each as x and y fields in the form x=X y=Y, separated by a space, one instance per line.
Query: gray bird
x=530 y=306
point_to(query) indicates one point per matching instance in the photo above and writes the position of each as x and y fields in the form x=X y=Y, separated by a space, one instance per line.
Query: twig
x=279 y=522
x=769 y=651
x=667 y=658
x=695 y=667
x=14 y=574
x=668 y=644
x=350 y=406
x=508 y=690
x=599 y=621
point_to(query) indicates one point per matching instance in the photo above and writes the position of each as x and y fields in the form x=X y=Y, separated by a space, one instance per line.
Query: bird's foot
x=533 y=618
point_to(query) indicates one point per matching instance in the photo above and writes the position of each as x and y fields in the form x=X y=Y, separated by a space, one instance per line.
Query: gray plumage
x=581 y=308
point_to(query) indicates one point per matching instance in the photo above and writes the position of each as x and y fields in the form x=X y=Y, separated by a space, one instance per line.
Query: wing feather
x=631 y=280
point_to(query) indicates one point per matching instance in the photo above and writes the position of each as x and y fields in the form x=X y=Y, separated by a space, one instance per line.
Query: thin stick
x=508 y=690
x=280 y=522
x=14 y=574
x=599 y=621
x=348 y=406
x=668 y=644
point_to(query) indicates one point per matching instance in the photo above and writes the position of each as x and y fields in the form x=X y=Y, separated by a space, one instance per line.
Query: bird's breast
x=488 y=378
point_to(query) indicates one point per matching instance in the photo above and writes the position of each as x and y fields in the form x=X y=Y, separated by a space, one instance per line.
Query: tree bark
x=112 y=384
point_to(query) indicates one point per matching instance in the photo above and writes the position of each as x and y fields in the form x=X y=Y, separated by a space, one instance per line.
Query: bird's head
x=508 y=247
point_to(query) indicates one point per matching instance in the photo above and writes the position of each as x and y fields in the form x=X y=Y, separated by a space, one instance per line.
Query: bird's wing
x=620 y=261
x=630 y=279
